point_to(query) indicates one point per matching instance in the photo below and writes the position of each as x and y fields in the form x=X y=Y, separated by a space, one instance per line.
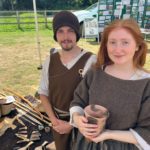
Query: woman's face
x=121 y=46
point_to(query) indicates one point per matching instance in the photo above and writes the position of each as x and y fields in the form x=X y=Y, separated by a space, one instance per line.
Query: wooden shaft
x=32 y=114
x=2 y=97
x=2 y=94
x=26 y=100
x=44 y=117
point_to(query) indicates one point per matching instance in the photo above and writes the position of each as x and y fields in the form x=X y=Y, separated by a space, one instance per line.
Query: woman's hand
x=101 y=137
x=88 y=130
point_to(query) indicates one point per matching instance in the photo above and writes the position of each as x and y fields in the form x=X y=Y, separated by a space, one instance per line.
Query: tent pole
x=37 y=33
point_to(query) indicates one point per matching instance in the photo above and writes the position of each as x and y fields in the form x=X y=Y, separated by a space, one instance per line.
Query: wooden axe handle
x=18 y=105
x=26 y=100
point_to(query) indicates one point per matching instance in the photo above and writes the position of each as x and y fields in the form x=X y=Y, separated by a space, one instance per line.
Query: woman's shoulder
x=93 y=72
x=141 y=74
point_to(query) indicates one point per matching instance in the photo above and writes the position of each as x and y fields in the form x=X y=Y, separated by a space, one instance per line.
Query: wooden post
x=18 y=19
x=45 y=16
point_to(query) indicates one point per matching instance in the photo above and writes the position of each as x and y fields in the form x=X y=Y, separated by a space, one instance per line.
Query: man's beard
x=67 y=49
x=69 y=46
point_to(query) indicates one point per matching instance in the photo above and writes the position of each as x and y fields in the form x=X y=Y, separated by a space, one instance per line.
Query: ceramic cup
x=96 y=114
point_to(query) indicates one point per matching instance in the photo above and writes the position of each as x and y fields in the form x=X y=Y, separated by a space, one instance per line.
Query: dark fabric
x=128 y=101
x=62 y=83
x=61 y=116
x=8 y=140
x=66 y=18
x=85 y=144
x=62 y=141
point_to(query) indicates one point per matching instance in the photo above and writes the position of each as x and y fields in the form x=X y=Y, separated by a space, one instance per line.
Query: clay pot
x=6 y=108
x=6 y=105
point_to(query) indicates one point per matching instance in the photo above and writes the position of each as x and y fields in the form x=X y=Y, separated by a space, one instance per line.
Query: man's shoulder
x=87 y=51
x=91 y=54
x=54 y=50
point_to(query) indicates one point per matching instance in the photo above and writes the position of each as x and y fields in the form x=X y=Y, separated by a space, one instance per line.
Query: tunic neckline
x=119 y=79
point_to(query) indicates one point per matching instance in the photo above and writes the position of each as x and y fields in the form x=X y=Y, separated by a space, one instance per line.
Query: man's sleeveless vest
x=63 y=81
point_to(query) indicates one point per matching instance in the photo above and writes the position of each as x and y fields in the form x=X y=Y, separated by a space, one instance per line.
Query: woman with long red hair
x=121 y=84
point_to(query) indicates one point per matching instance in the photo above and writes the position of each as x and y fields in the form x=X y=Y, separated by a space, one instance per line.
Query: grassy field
x=26 y=22
x=19 y=58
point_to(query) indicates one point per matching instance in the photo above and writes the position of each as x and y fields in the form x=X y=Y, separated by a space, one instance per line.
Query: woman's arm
x=75 y=109
x=122 y=136
x=140 y=140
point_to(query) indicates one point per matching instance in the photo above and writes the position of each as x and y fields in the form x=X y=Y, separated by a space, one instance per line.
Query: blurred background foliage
x=44 y=4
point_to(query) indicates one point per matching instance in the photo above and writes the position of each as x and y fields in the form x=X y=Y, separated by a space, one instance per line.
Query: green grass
x=19 y=58
x=27 y=18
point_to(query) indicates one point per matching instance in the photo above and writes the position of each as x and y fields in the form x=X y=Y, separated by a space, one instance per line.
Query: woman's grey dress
x=128 y=102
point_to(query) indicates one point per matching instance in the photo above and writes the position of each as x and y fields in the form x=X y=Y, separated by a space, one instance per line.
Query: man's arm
x=48 y=109
x=60 y=126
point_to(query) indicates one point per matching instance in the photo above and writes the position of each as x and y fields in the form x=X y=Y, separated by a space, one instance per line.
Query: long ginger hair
x=132 y=27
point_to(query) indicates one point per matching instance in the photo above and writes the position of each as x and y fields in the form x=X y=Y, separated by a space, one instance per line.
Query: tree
x=6 y=5
x=45 y=4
